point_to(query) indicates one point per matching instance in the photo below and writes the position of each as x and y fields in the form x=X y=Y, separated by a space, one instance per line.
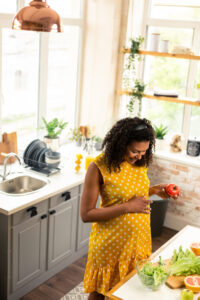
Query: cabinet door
x=83 y=230
x=28 y=250
x=62 y=231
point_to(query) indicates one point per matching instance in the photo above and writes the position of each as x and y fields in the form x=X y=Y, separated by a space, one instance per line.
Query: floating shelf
x=164 y=54
x=189 y=101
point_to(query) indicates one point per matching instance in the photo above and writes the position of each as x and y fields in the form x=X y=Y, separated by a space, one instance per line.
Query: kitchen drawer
x=24 y=215
x=64 y=196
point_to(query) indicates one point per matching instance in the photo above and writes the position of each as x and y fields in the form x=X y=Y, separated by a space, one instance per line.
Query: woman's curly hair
x=121 y=135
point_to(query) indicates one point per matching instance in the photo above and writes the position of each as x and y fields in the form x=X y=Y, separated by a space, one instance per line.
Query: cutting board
x=174 y=282
x=8 y=144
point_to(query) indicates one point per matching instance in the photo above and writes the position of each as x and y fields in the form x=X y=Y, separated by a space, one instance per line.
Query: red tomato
x=172 y=190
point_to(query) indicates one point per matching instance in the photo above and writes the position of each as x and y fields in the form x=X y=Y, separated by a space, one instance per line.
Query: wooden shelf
x=190 y=101
x=164 y=54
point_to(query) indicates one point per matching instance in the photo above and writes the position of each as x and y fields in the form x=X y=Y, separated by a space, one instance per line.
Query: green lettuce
x=184 y=263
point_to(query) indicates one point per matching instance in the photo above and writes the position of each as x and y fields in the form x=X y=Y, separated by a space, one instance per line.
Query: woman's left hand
x=160 y=191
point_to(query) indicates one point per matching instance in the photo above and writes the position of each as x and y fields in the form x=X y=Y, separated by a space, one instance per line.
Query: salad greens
x=151 y=275
x=184 y=263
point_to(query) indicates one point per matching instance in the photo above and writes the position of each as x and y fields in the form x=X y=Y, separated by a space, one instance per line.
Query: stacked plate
x=34 y=154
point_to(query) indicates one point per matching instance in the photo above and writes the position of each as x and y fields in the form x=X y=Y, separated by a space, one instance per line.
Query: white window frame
x=149 y=21
x=6 y=21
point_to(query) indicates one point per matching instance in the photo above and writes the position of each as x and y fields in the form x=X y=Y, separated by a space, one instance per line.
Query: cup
x=193 y=147
x=164 y=46
x=154 y=42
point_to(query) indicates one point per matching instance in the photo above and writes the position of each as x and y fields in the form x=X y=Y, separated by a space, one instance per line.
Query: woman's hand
x=160 y=191
x=138 y=205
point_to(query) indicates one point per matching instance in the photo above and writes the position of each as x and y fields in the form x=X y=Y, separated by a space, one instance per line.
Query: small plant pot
x=52 y=144
x=78 y=143
x=98 y=146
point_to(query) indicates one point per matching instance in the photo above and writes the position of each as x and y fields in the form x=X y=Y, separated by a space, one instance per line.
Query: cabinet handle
x=33 y=211
x=44 y=216
x=52 y=212
x=67 y=196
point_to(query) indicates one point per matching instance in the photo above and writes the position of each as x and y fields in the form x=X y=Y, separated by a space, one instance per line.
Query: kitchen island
x=41 y=233
x=131 y=288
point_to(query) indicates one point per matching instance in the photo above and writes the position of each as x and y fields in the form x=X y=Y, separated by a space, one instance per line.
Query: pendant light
x=38 y=16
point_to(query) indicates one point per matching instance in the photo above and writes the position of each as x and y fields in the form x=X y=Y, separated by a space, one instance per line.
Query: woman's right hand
x=138 y=205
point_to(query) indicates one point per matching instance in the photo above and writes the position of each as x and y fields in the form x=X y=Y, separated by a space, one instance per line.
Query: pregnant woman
x=120 y=234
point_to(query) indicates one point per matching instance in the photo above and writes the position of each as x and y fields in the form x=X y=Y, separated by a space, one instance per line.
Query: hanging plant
x=134 y=49
x=137 y=93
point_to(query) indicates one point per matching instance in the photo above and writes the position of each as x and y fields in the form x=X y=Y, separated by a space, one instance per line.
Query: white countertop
x=65 y=179
x=133 y=288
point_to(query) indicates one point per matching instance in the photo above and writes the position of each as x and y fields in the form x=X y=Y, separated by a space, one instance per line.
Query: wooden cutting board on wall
x=8 y=144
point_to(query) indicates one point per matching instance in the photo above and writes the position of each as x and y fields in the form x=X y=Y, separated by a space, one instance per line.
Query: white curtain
x=106 y=22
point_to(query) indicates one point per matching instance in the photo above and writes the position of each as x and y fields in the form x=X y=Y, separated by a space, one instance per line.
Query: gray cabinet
x=39 y=241
x=29 y=250
x=83 y=228
x=62 y=230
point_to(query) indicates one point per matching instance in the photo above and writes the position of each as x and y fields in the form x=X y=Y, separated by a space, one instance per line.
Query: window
x=40 y=71
x=178 y=22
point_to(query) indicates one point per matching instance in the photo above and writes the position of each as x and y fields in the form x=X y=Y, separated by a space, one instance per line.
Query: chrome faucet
x=11 y=154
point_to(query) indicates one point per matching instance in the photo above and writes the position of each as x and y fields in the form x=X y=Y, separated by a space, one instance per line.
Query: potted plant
x=98 y=142
x=76 y=136
x=53 y=128
x=160 y=132
x=136 y=95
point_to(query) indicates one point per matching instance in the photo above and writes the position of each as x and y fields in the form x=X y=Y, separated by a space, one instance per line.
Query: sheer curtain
x=106 y=25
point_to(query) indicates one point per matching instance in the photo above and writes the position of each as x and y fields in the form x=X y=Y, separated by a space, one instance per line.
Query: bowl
x=52 y=159
x=152 y=275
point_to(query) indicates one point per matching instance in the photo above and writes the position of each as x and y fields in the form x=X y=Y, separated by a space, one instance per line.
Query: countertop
x=132 y=286
x=65 y=179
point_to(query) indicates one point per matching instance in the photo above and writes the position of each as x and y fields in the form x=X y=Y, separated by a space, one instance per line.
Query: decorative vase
x=52 y=144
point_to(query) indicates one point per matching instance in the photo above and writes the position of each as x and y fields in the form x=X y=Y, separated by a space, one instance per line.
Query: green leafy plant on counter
x=160 y=131
x=96 y=139
x=137 y=94
x=184 y=263
x=54 y=127
x=76 y=134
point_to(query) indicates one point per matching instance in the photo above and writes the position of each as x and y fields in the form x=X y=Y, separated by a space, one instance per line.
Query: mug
x=154 y=42
x=193 y=147
x=164 y=46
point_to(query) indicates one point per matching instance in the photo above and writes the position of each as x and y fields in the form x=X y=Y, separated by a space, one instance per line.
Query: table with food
x=172 y=272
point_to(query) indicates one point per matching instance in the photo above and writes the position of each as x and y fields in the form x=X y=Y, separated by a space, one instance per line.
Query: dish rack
x=46 y=169
x=34 y=158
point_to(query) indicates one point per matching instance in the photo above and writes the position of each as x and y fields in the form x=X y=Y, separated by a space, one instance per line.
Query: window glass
x=163 y=112
x=8 y=6
x=20 y=83
x=176 y=9
x=65 y=8
x=195 y=122
x=62 y=74
x=167 y=74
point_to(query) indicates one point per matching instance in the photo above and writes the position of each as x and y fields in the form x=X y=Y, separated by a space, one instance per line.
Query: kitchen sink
x=22 y=185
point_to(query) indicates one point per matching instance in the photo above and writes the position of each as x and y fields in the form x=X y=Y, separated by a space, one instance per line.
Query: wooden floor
x=60 y=284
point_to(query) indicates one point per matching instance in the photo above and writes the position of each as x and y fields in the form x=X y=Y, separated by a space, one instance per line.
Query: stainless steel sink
x=22 y=185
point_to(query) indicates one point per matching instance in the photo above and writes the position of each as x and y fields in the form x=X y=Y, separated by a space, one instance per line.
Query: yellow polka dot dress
x=116 y=245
